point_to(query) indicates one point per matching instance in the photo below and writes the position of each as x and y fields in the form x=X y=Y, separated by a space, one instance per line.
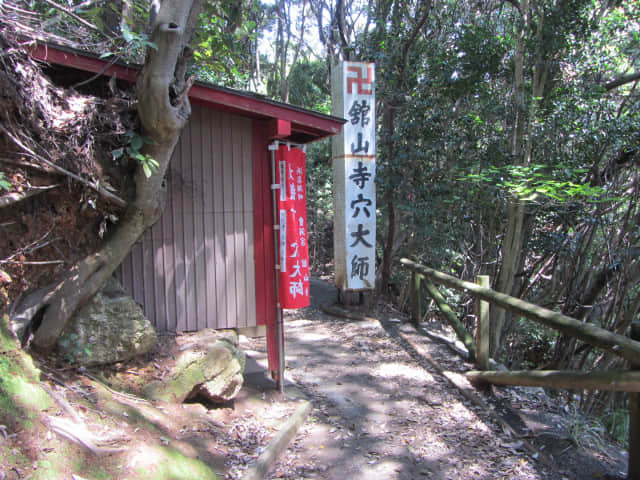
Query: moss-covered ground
x=58 y=422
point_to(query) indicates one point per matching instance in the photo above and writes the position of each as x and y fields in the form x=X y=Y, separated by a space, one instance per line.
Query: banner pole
x=276 y=250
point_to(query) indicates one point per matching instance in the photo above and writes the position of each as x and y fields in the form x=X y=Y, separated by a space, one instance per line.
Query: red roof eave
x=256 y=107
x=49 y=54
x=312 y=123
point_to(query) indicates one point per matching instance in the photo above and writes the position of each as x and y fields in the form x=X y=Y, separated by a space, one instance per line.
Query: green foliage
x=528 y=346
x=320 y=205
x=617 y=424
x=4 y=183
x=131 y=150
x=135 y=42
x=585 y=431
x=224 y=40
x=309 y=87
x=538 y=183
x=72 y=348
x=106 y=28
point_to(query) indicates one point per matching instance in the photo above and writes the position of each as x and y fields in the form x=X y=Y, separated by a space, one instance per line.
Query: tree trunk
x=522 y=149
x=164 y=109
x=511 y=253
x=388 y=121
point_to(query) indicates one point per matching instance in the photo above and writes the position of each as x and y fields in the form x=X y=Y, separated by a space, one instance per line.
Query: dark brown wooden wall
x=195 y=268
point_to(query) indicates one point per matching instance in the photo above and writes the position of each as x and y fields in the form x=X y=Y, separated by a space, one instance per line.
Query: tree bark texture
x=164 y=109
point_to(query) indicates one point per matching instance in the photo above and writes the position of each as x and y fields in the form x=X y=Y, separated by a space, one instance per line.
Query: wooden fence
x=478 y=348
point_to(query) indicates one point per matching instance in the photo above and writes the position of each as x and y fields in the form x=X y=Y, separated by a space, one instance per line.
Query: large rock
x=110 y=328
x=211 y=366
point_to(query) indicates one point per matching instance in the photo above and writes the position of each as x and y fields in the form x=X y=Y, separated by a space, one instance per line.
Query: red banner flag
x=292 y=208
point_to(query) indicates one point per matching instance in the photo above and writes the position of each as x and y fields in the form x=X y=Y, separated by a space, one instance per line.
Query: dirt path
x=380 y=414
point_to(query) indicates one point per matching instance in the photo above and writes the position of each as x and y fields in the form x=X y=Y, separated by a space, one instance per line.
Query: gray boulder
x=110 y=328
x=211 y=365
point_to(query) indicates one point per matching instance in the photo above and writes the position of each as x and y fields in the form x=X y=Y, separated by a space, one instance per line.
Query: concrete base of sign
x=361 y=298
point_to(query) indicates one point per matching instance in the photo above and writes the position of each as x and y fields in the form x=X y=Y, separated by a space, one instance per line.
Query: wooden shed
x=209 y=261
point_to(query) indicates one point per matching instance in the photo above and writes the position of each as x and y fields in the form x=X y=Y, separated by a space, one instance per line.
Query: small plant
x=137 y=41
x=617 y=423
x=134 y=44
x=131 y=150
x=4 y=183
x=584 y=430
x=72 y=349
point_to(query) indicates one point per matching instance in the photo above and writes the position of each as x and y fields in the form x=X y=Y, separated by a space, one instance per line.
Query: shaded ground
x=92 y=424
x=380 y=411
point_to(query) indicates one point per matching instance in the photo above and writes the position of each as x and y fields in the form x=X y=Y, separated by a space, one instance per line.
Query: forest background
x=508 y=142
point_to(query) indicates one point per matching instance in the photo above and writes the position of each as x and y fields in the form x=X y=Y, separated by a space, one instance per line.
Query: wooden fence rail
x=599 y=337
x=628 y=348
x=616 y=381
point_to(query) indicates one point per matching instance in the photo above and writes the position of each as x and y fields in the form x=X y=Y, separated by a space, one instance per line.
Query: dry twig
x=105 y=193
x=15 y=197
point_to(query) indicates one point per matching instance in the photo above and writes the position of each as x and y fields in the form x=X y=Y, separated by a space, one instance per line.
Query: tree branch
x=105 y=193
x=15 y=197
x=414 y=33
x=515 y=3
x=73 y=15
x=632 y=77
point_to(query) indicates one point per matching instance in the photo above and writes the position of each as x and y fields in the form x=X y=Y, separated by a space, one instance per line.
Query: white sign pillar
x=354 y=171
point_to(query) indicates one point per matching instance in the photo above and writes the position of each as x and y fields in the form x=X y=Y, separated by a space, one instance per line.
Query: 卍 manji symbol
x=360 y=81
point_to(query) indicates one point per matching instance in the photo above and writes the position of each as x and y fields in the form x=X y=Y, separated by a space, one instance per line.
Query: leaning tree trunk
x=164 y=109
x=522 y=148
x=512 y=243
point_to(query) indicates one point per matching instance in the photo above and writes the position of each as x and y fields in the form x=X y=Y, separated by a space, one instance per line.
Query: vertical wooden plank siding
x=175 y=203
x=229 y=227
x=168 y=266
x=199 y=240
x=248 y=238
x=218 y=218
x=124 y=272
x=196 y=268
x=136 y=274
x=209 y=245
x=147 y=269
x=189 y=199
x=238 y=219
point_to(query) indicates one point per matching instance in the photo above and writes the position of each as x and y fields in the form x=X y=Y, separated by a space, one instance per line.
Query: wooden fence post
x=484 y=326
x=634 y=420
x=416 y=298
